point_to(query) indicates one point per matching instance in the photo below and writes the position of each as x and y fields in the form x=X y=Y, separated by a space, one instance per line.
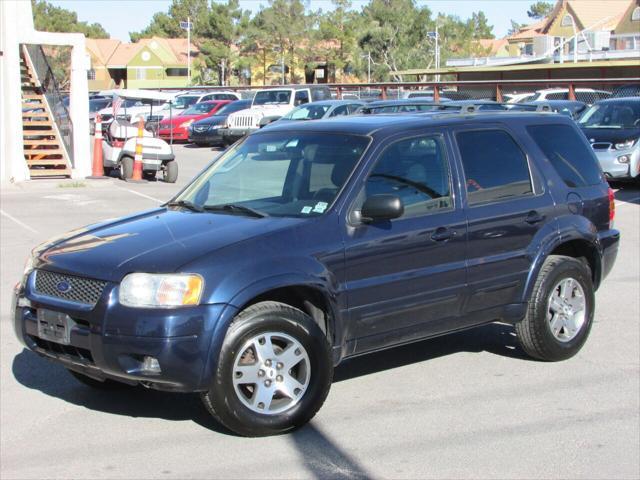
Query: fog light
x=623 y=159
x=150 y=365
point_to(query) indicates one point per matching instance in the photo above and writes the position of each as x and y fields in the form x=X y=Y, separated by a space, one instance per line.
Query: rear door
x=506 y=206
x=405 y=277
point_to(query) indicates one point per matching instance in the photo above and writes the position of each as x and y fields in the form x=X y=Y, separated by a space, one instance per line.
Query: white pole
x=189 y=49
x=437 y=52
x=369 y=71
x=284 y=76
x=223 y=72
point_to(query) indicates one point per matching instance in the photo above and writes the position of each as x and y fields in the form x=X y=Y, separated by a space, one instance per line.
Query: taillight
x=612 y=207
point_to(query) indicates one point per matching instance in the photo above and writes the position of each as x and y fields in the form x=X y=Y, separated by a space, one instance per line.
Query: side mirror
x=381 y=207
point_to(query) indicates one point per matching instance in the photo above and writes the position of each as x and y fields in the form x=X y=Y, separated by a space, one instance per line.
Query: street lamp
x=436 y=37
x=281 y=50
x=368 y=57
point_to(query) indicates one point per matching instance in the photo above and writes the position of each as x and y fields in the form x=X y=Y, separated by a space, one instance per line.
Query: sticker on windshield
x=307 y=209
x=320 y=207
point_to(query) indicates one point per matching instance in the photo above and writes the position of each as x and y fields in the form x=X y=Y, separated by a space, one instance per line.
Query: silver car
x=613 y=129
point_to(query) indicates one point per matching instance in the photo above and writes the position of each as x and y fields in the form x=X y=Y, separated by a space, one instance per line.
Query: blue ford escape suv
x=307 y=244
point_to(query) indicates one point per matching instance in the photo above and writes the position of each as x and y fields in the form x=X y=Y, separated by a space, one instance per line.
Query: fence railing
x=55 y=97
x=586 y=90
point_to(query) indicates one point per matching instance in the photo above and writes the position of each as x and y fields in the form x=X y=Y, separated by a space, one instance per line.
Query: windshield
x=184 y=101
x=95 y=105
x=612 y=115
x=272 y=97
x=199 y=108
x=280 y=174
x=307 y=112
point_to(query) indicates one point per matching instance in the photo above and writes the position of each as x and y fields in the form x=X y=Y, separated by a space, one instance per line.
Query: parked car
x=400 y=106
x=207 y=131
x=585 y=95
x=269 y=105
x=479 y=105
x=320 y=110
x=570 y=108
x=185 y=101
x=309 y=243
x=613 y=129
x=630 y=90
x=518 y=97
x=176 y=128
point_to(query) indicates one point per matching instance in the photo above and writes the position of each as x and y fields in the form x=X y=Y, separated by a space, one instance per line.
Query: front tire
x=274 y=371
x=560 y=313
x=171 y=172
x=126 y=168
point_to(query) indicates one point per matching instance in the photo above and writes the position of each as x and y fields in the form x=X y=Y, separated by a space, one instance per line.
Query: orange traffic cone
x=137 y=160
x=97 y=167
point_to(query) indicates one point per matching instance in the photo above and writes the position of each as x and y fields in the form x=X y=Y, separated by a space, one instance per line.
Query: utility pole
x=368 y=57
x=284 y=76
x=223 y=65
x=189 y=49
x=437 y=52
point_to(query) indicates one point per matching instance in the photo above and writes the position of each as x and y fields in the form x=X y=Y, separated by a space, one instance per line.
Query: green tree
x=540 y=10
x=49 y=18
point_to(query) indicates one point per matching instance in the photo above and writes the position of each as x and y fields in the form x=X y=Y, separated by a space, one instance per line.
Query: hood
x=155 y=241
x=180 y=119
x=212 y=120
x=612 y=135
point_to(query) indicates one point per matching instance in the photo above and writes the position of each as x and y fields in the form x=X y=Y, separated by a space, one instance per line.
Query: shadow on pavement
x=322 y=457
x=34 y=372
x=628 y=193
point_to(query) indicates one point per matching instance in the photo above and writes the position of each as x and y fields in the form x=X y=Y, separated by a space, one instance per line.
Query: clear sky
x=119 y=17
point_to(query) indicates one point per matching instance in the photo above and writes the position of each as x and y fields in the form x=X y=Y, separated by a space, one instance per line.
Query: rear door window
x=567 y=152
x=495 y=167
x=301 y=97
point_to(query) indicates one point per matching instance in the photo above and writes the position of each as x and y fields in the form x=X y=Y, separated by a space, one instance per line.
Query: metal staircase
x=46 y=125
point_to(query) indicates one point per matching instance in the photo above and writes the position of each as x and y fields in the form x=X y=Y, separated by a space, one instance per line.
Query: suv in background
x=312 y=242
x=585 y=95
x=269 y=105
x=185 y=101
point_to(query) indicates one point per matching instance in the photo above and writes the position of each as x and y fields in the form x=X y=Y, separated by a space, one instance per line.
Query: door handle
x=534 y=217
x=442 y=234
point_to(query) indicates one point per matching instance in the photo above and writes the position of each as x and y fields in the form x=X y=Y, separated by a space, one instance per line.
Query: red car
x=180 y=123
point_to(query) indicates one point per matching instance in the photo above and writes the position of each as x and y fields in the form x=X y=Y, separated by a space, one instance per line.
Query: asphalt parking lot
x=467 y=405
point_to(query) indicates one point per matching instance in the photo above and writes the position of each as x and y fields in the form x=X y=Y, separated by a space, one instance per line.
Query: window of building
x=495 y=167
x=635 y=15
x=177 y=72
x=416 y=170
x=141 y=74
x=568 y=154
x=91 y=74
x=567 y=21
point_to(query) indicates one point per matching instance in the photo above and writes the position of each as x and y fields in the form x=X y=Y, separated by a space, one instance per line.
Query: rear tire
x=560 y=313
x=126 y=168
x=283 y=350
x=171 y=172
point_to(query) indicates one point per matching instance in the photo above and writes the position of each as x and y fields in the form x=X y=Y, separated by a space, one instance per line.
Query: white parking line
x=23 y=225
x=140 y=194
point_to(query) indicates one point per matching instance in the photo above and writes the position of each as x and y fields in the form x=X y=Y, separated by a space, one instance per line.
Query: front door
x=405 y=277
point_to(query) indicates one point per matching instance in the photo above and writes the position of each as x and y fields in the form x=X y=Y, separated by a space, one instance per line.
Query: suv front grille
x=67 y=287
x=240 y=121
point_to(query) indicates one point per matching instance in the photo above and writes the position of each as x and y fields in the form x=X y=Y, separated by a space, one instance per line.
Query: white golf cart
x=119 y=146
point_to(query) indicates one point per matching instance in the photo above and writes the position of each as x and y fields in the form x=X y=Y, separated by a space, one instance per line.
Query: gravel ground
x=466 y=405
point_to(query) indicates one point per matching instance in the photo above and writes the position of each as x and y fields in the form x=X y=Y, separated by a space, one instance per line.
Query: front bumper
x=232 y=135
x=178 y=134
x=110 y=341
x=616 y=170
x=210 y=136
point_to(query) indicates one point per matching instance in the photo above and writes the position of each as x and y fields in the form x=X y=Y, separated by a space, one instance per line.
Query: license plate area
x=54 y=326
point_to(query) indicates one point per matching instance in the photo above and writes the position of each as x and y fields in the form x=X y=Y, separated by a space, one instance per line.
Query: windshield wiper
x=235 y=208
x=186 y=204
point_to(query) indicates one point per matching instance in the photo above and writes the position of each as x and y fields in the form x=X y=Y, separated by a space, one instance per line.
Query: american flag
x=117 y=103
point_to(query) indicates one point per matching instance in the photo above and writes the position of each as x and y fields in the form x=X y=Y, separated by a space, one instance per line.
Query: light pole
x=368 y=57
x=281 y=50
x=187 y=26
x=436 y=37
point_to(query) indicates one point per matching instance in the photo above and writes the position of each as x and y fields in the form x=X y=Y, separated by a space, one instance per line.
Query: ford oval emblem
x=63 y=286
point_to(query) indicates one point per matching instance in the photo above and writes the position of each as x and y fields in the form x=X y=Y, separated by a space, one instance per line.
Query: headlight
x=28 y=268
x=186 y=124
x=143 y=290
x=625 y=145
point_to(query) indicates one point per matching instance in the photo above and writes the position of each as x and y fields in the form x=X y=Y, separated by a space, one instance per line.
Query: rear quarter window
x=574 y=161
